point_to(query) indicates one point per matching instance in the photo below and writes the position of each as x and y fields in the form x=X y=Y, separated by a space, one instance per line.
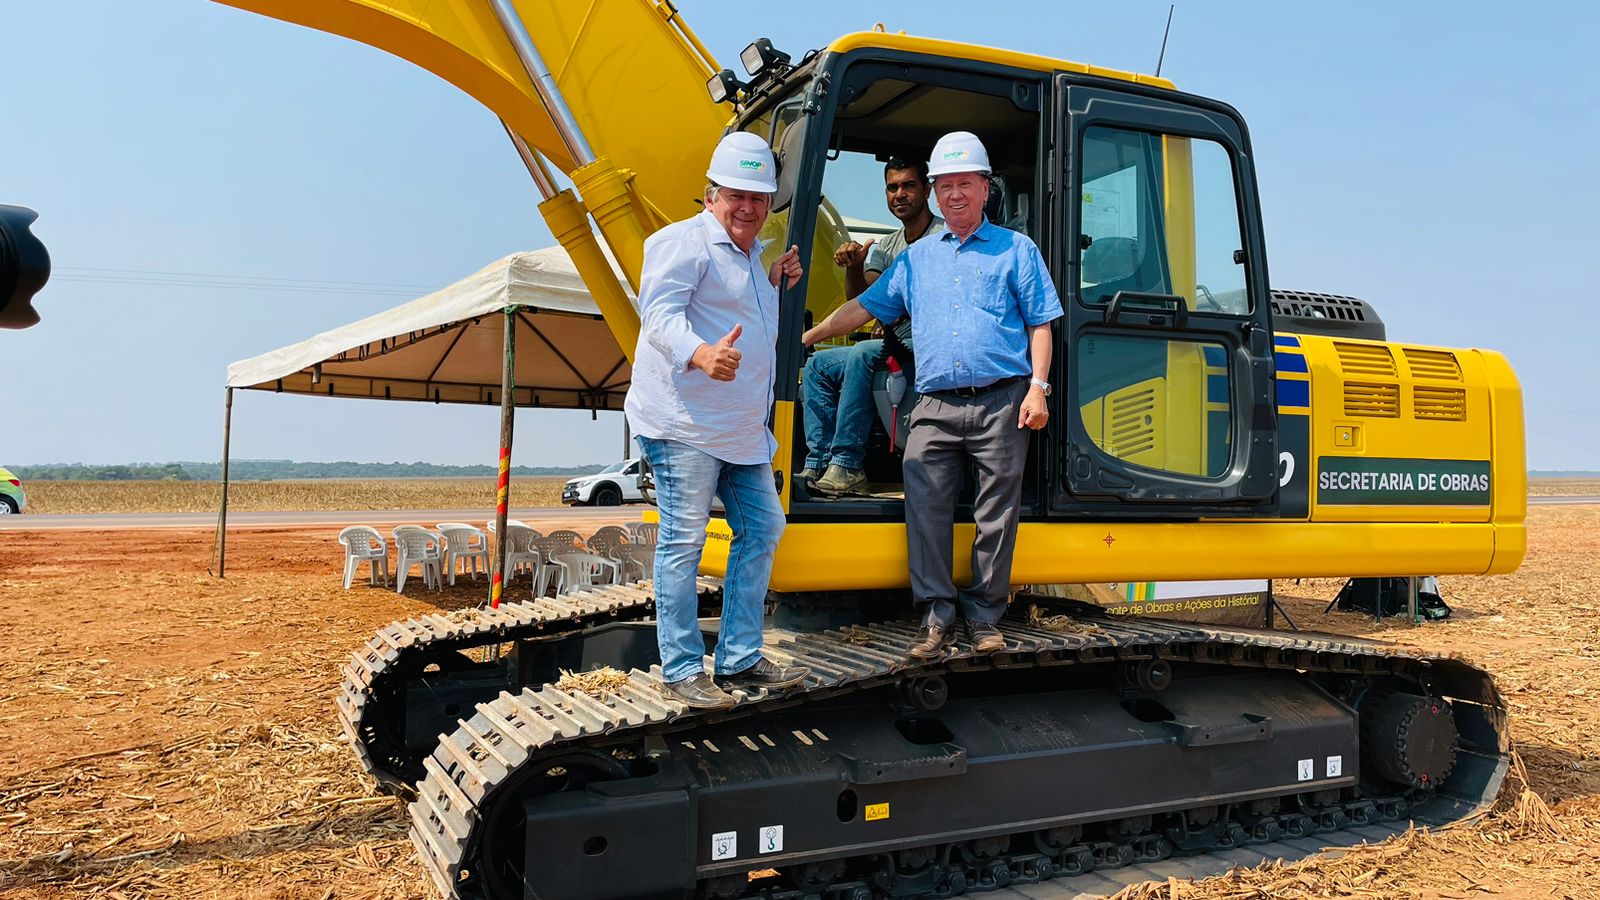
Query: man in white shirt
x=699 y=399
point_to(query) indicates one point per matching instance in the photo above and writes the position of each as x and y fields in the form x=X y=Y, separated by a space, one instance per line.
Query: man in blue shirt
x=981 y=303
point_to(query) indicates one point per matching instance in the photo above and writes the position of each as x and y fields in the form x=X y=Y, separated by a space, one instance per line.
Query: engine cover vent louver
x=1439 y=403
x=1366 y=359
x=1435 y=365
x=1376 y=401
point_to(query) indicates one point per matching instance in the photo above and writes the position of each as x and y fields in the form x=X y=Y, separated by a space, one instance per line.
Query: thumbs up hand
x=787 y=265
x=719 y=360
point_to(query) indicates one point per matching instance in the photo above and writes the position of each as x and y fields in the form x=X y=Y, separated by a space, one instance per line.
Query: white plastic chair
x=638 y=561
x=567 y=535
x=582 y=569
x=509 y=523
x=363 y=543
x=644 y=532
x=417 y=546
x=520 y=552
x=553 y=576
x=606 y=541
x=466 y=545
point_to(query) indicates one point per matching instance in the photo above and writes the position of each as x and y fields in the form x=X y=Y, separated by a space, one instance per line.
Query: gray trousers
x=945 y=434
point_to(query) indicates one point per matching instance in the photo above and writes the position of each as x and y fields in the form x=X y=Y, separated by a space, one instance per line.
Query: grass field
x=284 y=496
x=354 y=494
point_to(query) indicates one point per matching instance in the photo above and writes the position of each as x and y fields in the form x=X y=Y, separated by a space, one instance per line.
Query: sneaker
x=840 y=480
x=764 y=674
x=930 y=642
x=985 y=637
x=698 y=692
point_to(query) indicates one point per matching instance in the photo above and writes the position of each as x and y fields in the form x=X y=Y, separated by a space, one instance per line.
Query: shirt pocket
x=994 y=287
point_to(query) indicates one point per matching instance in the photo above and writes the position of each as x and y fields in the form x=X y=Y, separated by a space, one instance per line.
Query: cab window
x=1160 y=215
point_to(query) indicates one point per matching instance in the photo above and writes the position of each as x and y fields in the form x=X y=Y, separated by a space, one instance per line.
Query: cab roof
x=977 y=52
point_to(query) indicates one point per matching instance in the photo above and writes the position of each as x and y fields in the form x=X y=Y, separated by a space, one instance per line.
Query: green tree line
x=275 y=470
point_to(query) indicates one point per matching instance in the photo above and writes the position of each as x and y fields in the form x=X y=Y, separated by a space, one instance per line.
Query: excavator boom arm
x=630 y=72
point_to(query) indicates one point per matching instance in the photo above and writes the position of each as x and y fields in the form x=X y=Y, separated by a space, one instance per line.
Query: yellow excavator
x=1205 y=427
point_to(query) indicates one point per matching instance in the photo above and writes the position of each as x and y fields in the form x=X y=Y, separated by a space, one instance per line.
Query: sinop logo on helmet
x=959 y=153
x=753 y=165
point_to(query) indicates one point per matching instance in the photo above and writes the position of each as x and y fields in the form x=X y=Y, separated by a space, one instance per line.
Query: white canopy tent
x=446 y=347
x=523 y=325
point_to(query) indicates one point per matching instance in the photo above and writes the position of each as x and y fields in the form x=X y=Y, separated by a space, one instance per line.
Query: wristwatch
x=1041 y=385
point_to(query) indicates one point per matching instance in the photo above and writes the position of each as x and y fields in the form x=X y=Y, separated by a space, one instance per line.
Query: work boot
x=930 y=642
x=807 y=477
x=764 y=674
x=840 y=480
x=985 y=637
x=698 y=692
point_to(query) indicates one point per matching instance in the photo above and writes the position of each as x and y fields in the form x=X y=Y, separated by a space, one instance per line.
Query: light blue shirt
x=697 y=284
x=970 y=303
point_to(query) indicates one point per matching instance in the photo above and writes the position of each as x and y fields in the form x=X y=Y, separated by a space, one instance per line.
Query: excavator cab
x=1142 y=201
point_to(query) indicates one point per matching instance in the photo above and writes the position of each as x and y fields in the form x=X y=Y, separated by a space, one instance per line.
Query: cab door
x=1165 y=401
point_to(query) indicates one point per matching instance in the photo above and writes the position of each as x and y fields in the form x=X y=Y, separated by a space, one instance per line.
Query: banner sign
x=1349 y=480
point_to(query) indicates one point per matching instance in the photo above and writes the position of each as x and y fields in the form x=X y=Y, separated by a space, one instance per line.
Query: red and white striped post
x=503 y=490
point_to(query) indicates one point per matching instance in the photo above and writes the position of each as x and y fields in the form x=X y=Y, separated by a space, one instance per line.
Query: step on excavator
x=1203 y=427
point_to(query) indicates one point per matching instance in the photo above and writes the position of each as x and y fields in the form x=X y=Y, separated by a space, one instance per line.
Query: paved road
x=242 y=520
x=1562 y=501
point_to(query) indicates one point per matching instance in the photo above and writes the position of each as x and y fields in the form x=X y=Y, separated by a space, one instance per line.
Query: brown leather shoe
x=698 y=692
x=985 y=637
x=764 y=674
x=930 y=642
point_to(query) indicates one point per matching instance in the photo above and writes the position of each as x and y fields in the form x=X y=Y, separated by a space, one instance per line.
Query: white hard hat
x=958 y=151
x=743 y=162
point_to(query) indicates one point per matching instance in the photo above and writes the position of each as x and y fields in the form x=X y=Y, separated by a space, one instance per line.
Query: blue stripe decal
x=1290 y=362
x=1285 y=340
x=1294 y=393
x=1215 y=356
x=1217 y=389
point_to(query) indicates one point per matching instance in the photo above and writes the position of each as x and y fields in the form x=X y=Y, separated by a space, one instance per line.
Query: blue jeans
x=685 y=480
x=838 y=404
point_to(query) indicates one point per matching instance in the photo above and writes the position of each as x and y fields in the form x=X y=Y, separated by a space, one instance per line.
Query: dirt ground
x=165 y=734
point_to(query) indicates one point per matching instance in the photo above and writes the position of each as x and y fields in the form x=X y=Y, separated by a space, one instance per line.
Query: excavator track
x=371 y=716
x=479 y=780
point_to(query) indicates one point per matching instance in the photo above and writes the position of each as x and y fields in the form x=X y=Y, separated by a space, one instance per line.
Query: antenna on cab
x=1162 y=58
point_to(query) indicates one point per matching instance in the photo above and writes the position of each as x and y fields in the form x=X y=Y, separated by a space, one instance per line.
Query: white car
x=614 y=485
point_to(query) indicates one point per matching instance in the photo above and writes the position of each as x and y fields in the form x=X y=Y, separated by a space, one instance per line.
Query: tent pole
x=507 y=416
x=222 y=512
x=627 y=438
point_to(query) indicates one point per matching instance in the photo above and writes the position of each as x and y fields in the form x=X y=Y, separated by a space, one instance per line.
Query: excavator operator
x=838 y=380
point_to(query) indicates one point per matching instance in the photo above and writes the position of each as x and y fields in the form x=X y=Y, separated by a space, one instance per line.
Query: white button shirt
x=695 y=286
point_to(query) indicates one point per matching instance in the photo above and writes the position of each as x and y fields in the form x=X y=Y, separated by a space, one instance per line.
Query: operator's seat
x=896 y=420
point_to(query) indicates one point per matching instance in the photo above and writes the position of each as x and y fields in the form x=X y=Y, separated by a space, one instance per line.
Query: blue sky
x=1436 y=161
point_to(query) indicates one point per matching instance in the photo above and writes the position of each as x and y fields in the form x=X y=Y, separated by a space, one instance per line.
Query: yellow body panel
x=1362 y=406
x=978 y=53
x=849 y=556
x=1340 y=540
